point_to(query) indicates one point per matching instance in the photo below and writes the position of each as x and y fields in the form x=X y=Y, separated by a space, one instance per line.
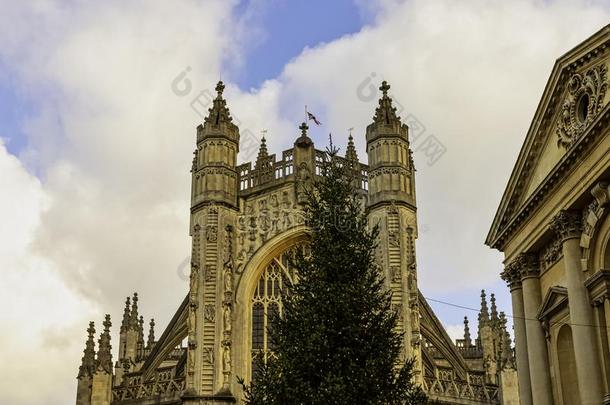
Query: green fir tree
x=336 y=341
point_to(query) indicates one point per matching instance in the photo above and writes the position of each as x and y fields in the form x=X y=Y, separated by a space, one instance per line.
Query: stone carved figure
x=227 y=319
x=226 y=358
x=211 y=233
x=209 y=313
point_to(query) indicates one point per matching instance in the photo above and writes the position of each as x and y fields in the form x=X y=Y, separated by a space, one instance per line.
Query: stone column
x=512 y=277
x=568 y=226
x=538 y=358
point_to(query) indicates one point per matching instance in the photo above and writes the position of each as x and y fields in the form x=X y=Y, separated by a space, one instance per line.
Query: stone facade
x=553 y=228
x=246 y=220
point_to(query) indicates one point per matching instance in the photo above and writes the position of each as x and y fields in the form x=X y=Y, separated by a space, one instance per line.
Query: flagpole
x=305 y=114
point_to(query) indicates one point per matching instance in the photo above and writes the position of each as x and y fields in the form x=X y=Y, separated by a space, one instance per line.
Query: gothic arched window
x=267 y=301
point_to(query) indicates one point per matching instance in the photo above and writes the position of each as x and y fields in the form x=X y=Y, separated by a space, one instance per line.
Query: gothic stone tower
x=245 y=222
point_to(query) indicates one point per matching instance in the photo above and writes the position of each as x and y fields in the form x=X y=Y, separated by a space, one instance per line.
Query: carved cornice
x=567 y=224
x=528 y=265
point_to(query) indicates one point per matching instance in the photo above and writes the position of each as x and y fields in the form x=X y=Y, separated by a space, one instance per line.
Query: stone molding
x=598 y=286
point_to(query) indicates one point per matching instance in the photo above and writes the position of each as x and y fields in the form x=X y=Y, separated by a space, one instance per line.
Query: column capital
x=567 y=224
x=512 y=275
x=528 y=265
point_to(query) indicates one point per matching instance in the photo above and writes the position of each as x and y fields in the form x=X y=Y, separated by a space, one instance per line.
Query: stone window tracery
x=267 y=301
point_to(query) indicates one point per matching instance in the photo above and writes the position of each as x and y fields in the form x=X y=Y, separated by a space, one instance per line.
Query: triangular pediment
x=574 y=99
x=556 y=299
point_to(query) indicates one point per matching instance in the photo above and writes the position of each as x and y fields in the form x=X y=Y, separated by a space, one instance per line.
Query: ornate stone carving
x=208 y=355
x=584 y=99
x=512 y=274
x=567 y=224
x=551 y=253
x=209 y=312
x=396 y=273
x=211 y=233
x=301 y=184
x=528 y=265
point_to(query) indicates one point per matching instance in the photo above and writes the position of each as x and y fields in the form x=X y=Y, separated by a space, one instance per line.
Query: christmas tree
x=335 y=341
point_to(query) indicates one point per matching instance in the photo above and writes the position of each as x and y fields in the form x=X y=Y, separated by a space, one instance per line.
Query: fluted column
x=538 y=358
x=568 y=226
x=512 y=277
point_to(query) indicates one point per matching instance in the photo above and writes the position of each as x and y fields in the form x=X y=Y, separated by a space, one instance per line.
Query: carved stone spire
x=219 y=113
x=484 y=313
x=141 y=326
x=303 y=140
x=350 y=152
x=151 y=335
x=263 y=155
x=494 y=308
x=104 y=353
x=385 y=113
x=140 y=343
x=467 y=338
x=126 y=316
x=87 y=367
x=134 y=319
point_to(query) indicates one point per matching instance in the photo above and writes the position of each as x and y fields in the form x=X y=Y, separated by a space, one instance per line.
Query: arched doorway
x=567 y=366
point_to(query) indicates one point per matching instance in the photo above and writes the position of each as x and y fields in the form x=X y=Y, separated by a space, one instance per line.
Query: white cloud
x=111 y=144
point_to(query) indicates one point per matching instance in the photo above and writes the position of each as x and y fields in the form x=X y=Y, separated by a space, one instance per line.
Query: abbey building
x=554 y=229
x=245 y=220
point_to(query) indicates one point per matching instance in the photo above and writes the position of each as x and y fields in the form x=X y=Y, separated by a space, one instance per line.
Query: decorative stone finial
x=385 y=113
x=484 y=313
x=494 y=308
x=151 y=334
x=104 y=353
x=126 y=316
x=87 y=367
x=220 y=87
x=134 y=320
x=219 y=114
x=384 y=88
x=350 y=152
x=303 y=140
x=467 y=338
x=263 y=154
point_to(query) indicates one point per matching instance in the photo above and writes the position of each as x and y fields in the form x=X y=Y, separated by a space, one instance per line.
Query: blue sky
x=289 y=27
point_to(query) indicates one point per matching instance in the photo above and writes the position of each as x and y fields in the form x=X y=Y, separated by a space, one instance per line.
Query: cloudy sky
x=96 y=139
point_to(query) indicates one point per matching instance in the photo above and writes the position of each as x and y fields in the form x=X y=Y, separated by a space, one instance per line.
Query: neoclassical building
x=554 y=229
x=245 y=221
